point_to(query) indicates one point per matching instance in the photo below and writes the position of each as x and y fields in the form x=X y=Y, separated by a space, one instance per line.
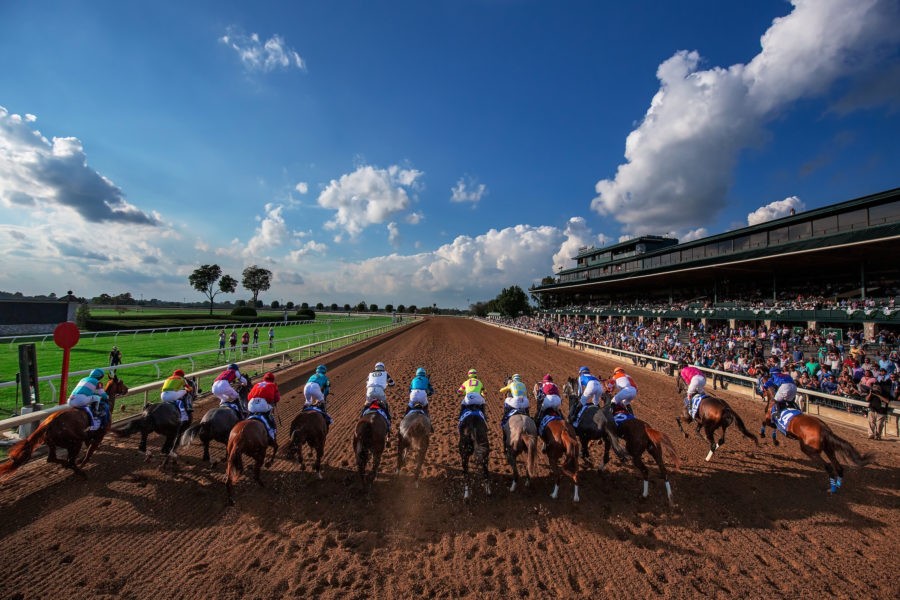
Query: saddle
x=550 y=415
x=576 y=422
x=375 y=408
x=784 y=418
x=468 y=412
x=234 y=406
x=269 y=429
x=318 y=408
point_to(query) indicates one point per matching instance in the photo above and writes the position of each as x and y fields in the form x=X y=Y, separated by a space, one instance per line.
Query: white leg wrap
x=576 y=498
x=709 y=456
x=466 y=492
x=512 y=488
x=487 y=488
x=646 y=488
x=669 y=490
x=555 y=491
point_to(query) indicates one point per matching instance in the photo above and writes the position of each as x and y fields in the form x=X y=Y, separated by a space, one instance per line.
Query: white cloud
x=368 y=196
x=775 y=210
x=468 y=189
x=271 y=233
x=393 y=234
x=694 y=234
x=681 y=157
x=262 y=56
x=577 y=235
x=414 y=218
x=38 y=172
x=302 y=187
x=310 y=247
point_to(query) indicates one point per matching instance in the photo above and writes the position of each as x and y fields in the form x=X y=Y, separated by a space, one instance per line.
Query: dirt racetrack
x=753 y=523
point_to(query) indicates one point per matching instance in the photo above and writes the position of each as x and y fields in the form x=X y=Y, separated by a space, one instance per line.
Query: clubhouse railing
x=877 y=315
x=808 y=398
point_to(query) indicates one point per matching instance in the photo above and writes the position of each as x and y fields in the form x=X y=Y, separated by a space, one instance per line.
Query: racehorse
x=561 y=443
x=309 y=428
x=593 y=425
x=522 y=438
x=368 y=439
x=473 y=440
x=712 y=413
x=251 y=438
x=414 y=434
x=549 y=333
x=163 y=418
x=816 y=437
x=639 y=437
x=217 y=423
x=65 y=429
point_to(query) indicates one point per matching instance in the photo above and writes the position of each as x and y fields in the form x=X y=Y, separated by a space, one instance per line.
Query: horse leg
x=168 y=451
x=816 y=457
x=724 y=426
x=74 y=449
x=376 y=463
x=320 y=450
x=420 y=460
x=401 y=452
x=205 y=450
x=511 y=458
x=838 y=467
x=271 y=460
x=556 y=471
x=585 y=451
x=90 y=451
x=464 y=455
x=605 y=461
x=644 y=472
x=259 y=457
x=680 y=428
x=657 y=454
x=709 y=427
x=142 y=447
x=484 y=472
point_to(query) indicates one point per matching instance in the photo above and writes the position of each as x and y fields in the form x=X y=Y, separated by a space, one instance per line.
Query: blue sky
x=420 y=152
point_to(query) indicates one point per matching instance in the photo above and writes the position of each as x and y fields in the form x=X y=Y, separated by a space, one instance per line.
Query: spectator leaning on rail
x=177 y=390
x=223 y=386
x=262 y=400
x=89 y=391
x=878 y=398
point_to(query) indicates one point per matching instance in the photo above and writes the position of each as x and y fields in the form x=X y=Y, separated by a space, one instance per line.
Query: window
x=742 y=243
x=800 y=231
x=758 y=240
x=778 y=236
x=856 y=219
x=699 y=252
x=825 y=226
x=686 y=255
x=724 y=247
x=886 y=213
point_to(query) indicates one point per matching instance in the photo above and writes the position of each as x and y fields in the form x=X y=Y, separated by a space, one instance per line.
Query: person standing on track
x=262 y=400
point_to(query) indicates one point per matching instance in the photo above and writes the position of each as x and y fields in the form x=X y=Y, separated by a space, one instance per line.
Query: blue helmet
x=97 y=374
x=582 y=370
x=420 y=372
x=233 y=367
x=321 y=369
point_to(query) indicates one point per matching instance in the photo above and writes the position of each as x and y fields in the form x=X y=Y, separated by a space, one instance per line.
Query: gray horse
x=414 y=436
x=523 y=437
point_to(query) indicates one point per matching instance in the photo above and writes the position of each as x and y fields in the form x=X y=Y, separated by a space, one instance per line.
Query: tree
x=401 y=308
x=204 y=279
x=305 y=305
x=361 y=307
x=412 y=308
x=512 y=301
x=373 y=308
x=275 y=304
x=256 y=279
x=388 y=308
x=334 y=306
x=320 y=306
x=289 y=305
x=347 y=307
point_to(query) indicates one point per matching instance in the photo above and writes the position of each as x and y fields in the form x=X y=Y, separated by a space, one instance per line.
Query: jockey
x=785 y=391
x=262 y=400
x=176 y=390
x=695 y=381
x=90 y=391
x=625 y=388
x=515 y=402
x=551 y=399
x=376 y=383
x=222 y=387
x=419 y=390
x=316 y=390
x=472 y=389
x=590 y=391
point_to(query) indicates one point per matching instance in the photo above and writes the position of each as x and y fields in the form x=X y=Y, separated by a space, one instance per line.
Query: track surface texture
x=753 y=522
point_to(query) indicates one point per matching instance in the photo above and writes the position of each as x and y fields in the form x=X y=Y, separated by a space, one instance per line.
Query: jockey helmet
x=517 y=377
x=618 y=370
x=775 y=370
x=472 y=373
x=379 y=366
x=115 y=347
x=233 y=367
x=177 y=373
x=97 y=374
x=269 y=377
x=548 y=377
x=583 y=370
x=321 y=369
x=420 y=372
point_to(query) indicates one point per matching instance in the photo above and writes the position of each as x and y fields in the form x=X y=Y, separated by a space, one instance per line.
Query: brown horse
x=639 y=437
x=65 y=429
x=247 y=437
x=368 y=439
x=309 y=428
x=561 y=443
x=473 y=440
x=816 y=437
x=414 y=435
x=713 y=413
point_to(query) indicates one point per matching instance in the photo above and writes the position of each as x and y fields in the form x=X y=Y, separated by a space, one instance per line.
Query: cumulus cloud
x=775 y=210
x=694 y=234
x=414 y=218
x=681 y=157
x=302 y=187
x=271 y=233
x=468 y=189
x=310 y=247
x=393 y=234
x=266 y=56
x=577 y=235
x=368 y=196
x=55 y=174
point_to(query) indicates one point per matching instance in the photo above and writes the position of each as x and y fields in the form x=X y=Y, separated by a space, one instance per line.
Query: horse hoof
x=319 y=474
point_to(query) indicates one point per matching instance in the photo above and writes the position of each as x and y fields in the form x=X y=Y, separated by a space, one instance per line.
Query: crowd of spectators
x=839 y=365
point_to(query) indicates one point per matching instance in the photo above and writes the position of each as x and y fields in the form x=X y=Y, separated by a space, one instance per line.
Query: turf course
x=93 y=351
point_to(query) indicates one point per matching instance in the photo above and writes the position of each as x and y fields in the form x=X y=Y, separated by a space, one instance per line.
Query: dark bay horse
x=816 y=437
x=217 y=423
x=713 y=413
x=414 y=436
x=163 y=418
x=247 y=437
x=639 y=437
x=65 y=429
x=561 y=444
x=368 y=440
x=522 y=438
x=473 y=440
x=308 y=428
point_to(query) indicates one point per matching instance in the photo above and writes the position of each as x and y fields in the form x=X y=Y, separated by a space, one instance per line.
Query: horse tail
x=662 y=441
x=235 y=463
x=21 y=452
x=615 y=441
x=570 y=466
x=189 y=434
x=133 y=426
x=531 y=455
x=362 y=441
x=735 y=418
x=846 y=448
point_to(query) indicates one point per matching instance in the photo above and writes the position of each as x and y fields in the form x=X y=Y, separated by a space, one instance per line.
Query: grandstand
x=835 y=265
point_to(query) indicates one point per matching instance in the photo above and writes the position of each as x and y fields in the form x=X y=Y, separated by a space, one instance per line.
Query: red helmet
x=177 y=373
x=548 y=377
x=269 y=377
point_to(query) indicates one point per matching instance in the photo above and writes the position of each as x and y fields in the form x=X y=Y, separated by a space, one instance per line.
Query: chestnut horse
x=561 y=443
x=217 y=423
x=639 y=437
x=308 y=428
x=816 y=437
x=413 y=435
x=251 y=438
x=65 y=429
x=713 y=413
x=368 y=440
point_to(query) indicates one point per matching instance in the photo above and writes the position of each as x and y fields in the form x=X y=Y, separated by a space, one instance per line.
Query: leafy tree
x=512 y=301
x=256 y=279
x=82 y=314
x=361 y=307
x=347 y=307
x=241 y=303
x=289 y=305
x=373 y=308
x=388 y=308
x=304 y=305
x=204 y=279
x=275 y=304
x=320 y=306
x=334 y=306
x=401 y=308
x=412 y=308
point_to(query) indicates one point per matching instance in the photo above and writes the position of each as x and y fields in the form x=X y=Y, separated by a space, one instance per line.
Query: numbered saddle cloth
x=695 y=404
x=620 y=417
x=784 y=419
x=318 y=409
x=269 y=429
x=468 y=413
x=233 y=406
x=381 y=412
x=577 y=422
x=546 y=421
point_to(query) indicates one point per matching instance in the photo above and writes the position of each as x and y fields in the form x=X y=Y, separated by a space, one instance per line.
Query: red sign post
x=65 y=336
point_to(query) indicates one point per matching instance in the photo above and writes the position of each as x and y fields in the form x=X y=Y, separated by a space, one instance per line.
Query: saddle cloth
x=262 y=419
x=783 y=420
x=695 y=404
x=381 y=412
x=468 y=413
x=233 y=406
x=546 y=421
x=620 y=417
x=318 y=409
x=577 y=422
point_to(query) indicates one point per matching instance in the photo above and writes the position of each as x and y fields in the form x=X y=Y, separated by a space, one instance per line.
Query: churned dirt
x=754 y=522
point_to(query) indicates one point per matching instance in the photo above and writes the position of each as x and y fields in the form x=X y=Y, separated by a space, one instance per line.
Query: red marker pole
x=65 y=336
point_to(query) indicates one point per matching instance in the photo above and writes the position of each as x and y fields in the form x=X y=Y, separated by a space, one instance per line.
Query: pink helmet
x=548 y=377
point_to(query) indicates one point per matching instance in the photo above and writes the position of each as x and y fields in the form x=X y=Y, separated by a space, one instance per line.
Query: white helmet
x=379 y=366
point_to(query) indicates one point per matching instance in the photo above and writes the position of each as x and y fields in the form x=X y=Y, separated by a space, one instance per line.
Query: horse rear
x=816 y=437
x=712 y=413
x=308 y=428
x=162 y=418
x=368 y=440
x=562 y=445
x=216 y=425
x=414 y=436
x=522 y=439
x=639 y=438
x=247 y=437
x=473 y=440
